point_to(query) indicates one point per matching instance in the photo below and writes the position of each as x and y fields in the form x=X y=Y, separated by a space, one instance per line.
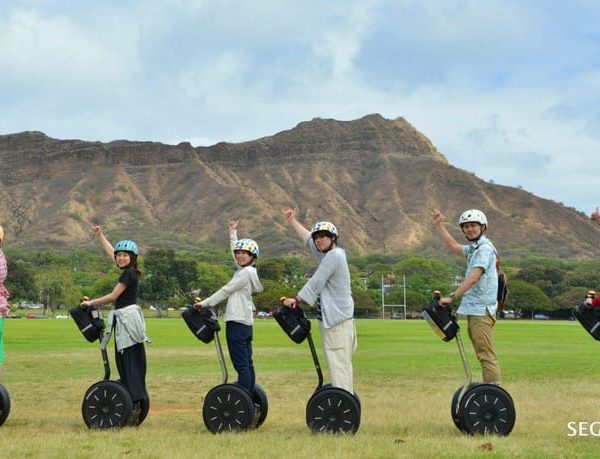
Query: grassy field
x=404 y=374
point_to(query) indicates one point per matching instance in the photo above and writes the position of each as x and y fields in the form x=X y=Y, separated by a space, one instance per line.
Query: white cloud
x=511 y=79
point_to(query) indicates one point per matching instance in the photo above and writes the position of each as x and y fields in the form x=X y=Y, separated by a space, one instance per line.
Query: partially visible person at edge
x=595 y=217
x=591 y=300
x=329 y=290
x=240 y=310
x=4 y=296
x=478 y=291
x=127 y=319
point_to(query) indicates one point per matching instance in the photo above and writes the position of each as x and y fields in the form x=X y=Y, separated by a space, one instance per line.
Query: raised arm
x=290 y=216
x=104 y=243
x=233 y=236
x=438 y=221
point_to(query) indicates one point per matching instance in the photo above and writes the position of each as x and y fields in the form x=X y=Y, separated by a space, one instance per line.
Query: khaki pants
x=339 y=343
x=482 y=337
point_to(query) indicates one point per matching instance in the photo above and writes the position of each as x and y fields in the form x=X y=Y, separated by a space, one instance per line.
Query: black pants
x=131 y=363
x=239 y=342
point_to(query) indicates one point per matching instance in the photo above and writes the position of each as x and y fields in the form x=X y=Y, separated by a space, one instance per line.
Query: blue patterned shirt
x=482 y=297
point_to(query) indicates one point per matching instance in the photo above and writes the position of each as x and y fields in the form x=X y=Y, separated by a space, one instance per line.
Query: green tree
x=524 y=296
x=363 y=302
x=57 y=288
x=103 y=284
x=168 y=277
x=268 y=299
x=211 y=277
x=21 y=282
x=570 y=298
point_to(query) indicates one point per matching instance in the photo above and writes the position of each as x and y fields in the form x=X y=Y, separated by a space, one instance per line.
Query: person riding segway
x=475 y=408
x=107 y=403
x=227 y=407
x=239 y=320
x=329 y=409
x=479 y=293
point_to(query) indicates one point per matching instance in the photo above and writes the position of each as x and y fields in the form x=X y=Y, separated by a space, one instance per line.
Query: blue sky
x=509 y=90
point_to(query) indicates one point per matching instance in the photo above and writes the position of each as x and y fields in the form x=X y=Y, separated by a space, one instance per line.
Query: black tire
x=4 y=404
x=454 y=409
x=260 y=398
x=106 y=405
x=333 y=410
x=145 y=407
x=327 y=385
x=487 y=409
x=227 y=407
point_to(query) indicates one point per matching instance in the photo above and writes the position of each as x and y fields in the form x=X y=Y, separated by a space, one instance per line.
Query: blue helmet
x=126 y=246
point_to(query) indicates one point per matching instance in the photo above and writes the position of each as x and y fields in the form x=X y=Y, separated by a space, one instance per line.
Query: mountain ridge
x=377 y=179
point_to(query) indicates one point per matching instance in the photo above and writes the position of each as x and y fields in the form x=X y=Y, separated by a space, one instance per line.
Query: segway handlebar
x=441 y=320
x=294 y=323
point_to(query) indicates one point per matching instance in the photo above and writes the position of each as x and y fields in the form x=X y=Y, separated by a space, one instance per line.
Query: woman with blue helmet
x=240 y=310
x=127 y=319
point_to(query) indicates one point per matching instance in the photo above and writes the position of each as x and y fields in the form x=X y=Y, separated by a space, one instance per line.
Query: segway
x=589 y=317
x=227 y=407
x=106 y=404
x=476 y=408
x=329 y=409
x=4 y=404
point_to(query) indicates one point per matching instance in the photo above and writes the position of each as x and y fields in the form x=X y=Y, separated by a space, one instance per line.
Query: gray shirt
x=331 y=281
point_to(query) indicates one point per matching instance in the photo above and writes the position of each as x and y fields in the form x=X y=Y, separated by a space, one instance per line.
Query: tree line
x=173 y=278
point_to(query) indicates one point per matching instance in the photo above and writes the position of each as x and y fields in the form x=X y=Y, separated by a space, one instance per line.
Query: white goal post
x=393 y=307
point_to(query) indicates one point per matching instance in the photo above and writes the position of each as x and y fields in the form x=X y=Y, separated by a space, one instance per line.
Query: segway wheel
x=260 y=398
x=487 y=409
x=106 y=405
x=228 y=407
x=333 y=410
x=4 y=404
x=454 y=409
x=145 y=407
x=325 y=386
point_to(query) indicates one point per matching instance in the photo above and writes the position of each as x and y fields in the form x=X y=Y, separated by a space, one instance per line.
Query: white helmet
x=472 y=216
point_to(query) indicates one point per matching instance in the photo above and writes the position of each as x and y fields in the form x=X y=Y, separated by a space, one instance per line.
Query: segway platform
x=106 y=404
x=475 y=408
x=329 y=409
x=227 y=407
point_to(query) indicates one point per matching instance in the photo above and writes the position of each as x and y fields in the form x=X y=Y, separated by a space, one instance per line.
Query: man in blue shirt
x=479 y=288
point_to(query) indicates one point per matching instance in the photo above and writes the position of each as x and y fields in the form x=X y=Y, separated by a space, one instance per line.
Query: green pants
x=1 y=340
x=482 y=337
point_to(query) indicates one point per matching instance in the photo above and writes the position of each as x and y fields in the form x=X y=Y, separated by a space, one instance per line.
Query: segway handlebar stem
x=315 y=357
x=221 y=357
x=467 y=368
x=103 y=346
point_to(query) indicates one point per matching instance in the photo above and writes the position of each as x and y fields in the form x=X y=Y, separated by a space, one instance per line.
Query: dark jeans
x=239 y=342
x=131 y=363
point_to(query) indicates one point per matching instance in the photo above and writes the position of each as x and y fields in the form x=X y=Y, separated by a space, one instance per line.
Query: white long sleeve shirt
x=331 y=281
x=238 y=292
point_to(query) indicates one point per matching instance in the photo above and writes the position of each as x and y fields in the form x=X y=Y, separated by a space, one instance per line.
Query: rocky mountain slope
x=377 y=179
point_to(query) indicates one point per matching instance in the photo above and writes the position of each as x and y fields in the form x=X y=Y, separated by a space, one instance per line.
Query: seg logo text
x=583 y=429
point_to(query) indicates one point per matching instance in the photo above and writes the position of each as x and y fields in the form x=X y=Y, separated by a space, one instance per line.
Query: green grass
x=404 y=374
